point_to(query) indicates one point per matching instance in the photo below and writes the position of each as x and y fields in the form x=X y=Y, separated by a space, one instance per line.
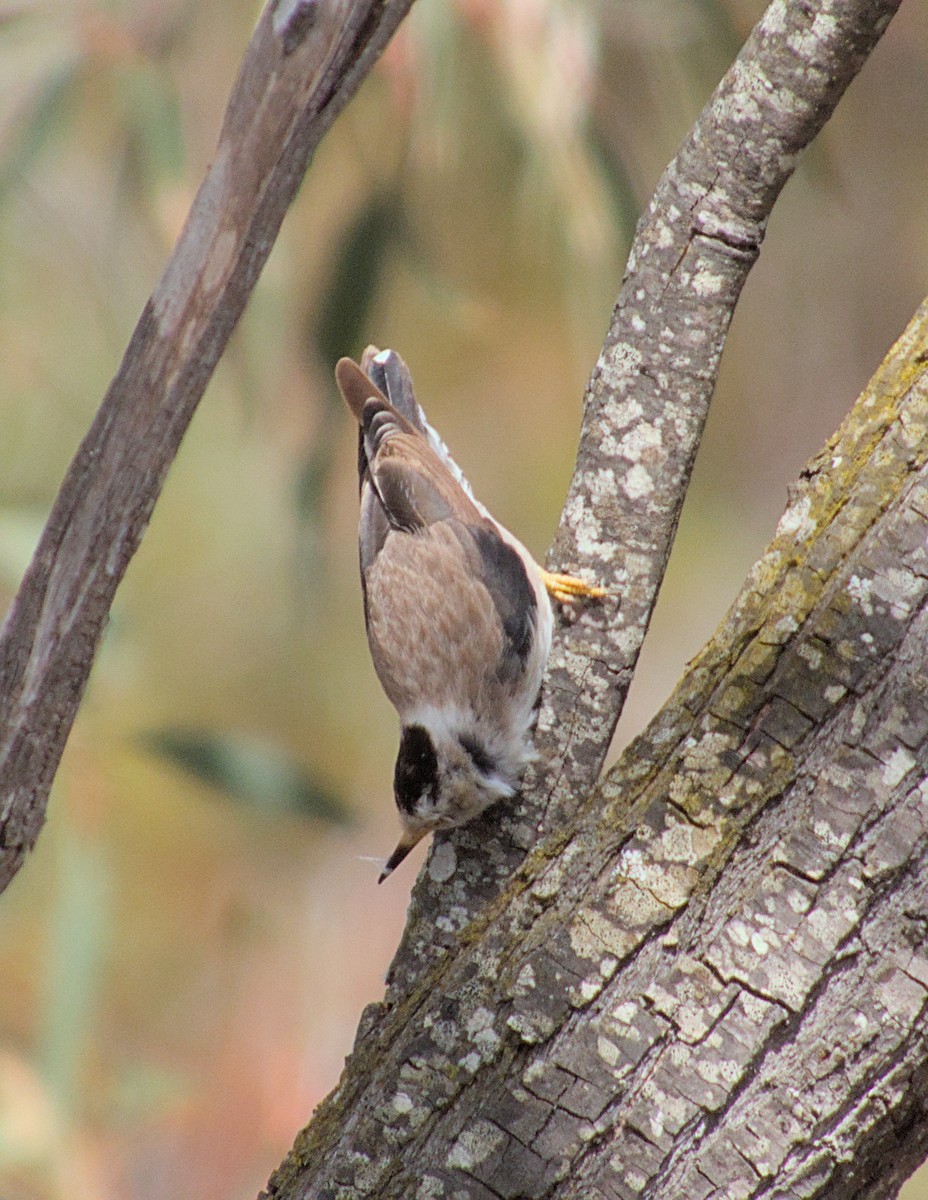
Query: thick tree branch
x=306 y=59
x=623 y=1015
x=715 y=981
x=645 y=408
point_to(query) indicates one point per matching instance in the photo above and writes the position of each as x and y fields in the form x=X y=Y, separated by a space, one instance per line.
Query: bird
x=457 y=611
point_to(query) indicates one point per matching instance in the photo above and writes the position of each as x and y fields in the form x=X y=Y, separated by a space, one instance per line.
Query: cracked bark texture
x=305 y=60
x=714 y=983
x=644 y=412
x=710 y=980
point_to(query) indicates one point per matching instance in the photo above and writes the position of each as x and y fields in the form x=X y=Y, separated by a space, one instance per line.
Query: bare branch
x=306 y=59
x=645 y=408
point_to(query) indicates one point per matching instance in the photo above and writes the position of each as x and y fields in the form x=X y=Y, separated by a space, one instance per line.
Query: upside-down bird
x=457 y=611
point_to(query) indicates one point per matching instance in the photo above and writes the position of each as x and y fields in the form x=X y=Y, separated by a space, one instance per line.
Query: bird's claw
x=567 y=589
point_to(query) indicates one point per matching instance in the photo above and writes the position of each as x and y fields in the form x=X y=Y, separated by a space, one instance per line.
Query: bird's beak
x=407 y=842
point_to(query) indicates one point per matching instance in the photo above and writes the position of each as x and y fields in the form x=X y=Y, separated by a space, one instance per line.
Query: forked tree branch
x=644 y=412
x=305 y=61
x=714 y=982
x=680 y=991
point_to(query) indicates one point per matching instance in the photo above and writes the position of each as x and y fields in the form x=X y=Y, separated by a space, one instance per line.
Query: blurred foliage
x=182 y=978
x=341 y=324
x=249 y=771
x=350 y=294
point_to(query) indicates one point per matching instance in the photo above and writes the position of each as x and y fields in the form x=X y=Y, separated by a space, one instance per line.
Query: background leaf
x=255 y=773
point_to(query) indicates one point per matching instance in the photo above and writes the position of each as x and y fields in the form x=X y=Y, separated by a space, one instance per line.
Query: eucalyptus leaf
x=356 y=273
x=249 y=770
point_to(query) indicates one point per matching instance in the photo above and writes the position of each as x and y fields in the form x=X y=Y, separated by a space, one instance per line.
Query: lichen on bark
x=716 y=982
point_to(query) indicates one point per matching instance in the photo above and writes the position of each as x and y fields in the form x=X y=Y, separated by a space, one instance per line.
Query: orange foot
x=567 y=588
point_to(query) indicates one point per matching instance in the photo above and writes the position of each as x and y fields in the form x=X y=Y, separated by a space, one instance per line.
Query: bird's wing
x=391 y=375
x=413 y=485
x=503 y=573
x=411 y=488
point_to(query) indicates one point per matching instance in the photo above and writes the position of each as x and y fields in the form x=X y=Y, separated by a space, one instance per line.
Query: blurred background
x=186 y=954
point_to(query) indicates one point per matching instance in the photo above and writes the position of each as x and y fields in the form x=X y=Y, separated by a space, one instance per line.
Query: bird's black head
x=415 y=776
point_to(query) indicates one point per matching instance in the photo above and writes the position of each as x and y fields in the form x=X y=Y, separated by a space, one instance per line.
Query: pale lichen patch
x=763 y=943
x=453 y=920
x=738 y=931
x=860 y=590
x=708 y=283
x=601 y=484
x=607 y=1051
x=471 y=1063
x=643 y=440
x=689 y=844
x=897 y=766
x=531 y=1027
x=591 y=539
x=525 y=980
x=638 y=482
x=591 y=933
x=633 y=1178
x=588 y=990
x=810 y=654
x=650 y=888
x=623 y=360
x=548 y=883
x=443 y=862
x=475 y=1145
x=621 y=414
x=480 y=1019
x=624 y=413
x=702 y=754
x=827 y=834
x=487 y=1043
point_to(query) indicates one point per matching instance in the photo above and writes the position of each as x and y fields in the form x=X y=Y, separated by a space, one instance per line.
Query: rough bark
x=714 y=982
x=709 y=977
x=645 y=409
x=306 y=59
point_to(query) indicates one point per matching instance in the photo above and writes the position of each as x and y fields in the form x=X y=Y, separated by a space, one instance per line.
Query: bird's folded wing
x=416 y=502
x=502 y=572
x=412 y=483
x=413 y=490
x=391 y=375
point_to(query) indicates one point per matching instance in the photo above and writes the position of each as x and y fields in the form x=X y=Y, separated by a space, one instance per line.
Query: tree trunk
x=713 y=981
x=707 y=975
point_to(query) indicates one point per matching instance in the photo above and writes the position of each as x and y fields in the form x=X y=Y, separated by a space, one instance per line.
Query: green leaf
x=153 y=129
x=47 y=114
x=355 y=276
x=248 y=770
